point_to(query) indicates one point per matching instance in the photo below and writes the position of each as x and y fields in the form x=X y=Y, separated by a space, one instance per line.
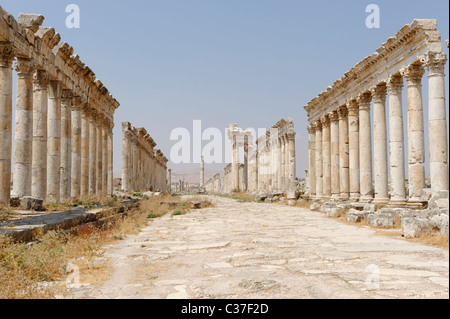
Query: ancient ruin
x=144 y=168
x=64 y=117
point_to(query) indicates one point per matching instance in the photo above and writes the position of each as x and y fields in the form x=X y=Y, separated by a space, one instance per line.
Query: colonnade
x=144 y=168
x=352 y=159
x=63 y=117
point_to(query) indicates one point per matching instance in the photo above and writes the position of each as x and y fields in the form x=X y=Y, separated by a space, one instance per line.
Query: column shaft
x=334 y=149
x=235 y=166
x=292 y=165
x=353 y=150
x=92 y=156
x=54 y=142
x=319 y=166
x=76 y=150
x=344 y=177
x=326 y=157
x=312 y=161
x=85 y=133
x=365 y=148
x=66 y=144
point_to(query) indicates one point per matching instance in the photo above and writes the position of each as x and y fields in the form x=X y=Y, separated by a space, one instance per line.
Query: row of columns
x=49 y=150
x=143 y=168
x=340 y=143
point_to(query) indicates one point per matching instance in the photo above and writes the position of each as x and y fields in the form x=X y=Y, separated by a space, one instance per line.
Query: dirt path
x=261 y=251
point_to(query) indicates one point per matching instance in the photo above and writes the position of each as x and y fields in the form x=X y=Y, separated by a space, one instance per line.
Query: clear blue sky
x=250 y=62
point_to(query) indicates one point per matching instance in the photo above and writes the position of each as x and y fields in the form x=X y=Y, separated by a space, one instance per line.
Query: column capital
x=25 y=67
x=291 y=135
x=413 y=74
x=435 y=63
x=342 y=112
x=6 y=54
x=364 y=100
x=334 y=116
x=379 y=92
x=67 y=97
x=317 y=125
x=395 y=84
x=41 y=79
x=325 y=120
x=352 y=107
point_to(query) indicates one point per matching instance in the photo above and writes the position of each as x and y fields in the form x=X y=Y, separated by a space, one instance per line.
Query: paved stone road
x=268 y=251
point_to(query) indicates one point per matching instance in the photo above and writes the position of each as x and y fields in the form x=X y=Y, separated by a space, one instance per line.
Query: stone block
x=370 y=208
x=333 y=212
x=325 y=206
x=261 y=197
x=14 y=202
x=31 y=203
x=355 y=216
x=268 y=200
x=414 y=227
x=290 y=195
x=440 y=222
x=382 y=219
x=315 y=207
x=439 y=200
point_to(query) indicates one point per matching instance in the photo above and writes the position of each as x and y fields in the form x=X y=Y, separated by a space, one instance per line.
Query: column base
x=397 y=202
x=365 y=199
x=381 y=201
x=354 y=197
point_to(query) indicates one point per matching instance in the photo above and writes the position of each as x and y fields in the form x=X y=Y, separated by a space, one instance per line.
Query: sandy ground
x=265 y=251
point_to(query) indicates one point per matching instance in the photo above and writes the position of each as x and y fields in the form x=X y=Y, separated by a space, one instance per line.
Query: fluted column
x=54 y=142
x=286 y=166
x=85 y=141
x=353 y=150
x=6 y=59
x=437 y=123
x=66 y=143
x=245 y=163
x=334 y=154
x=202 y=173
x=292 y=165
x=283 y=163
x=396 y=141
x=39 y=156
x=365 y=148
x=75 y=189
x=312 y=161
x=92 y=155
x=416 y=146
x=319 y=166
x=110 y=160
x=105 y=159
x=326 y=157
x=23 y=137
x=99 y=178
x=344 y=182
x=235 y=165
x=380 y=144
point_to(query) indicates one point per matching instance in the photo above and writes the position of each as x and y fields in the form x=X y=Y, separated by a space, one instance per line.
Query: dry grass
x=24 y=266
x=241 y=197
x=86 y=202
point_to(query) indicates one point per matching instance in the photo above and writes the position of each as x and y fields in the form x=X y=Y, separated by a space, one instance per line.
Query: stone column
x=99 y=178
x=312 y=161
x=54 y=142
x=75 y=187
x=110 y=160
x=235 y=165
x=286 y=161
x=353 y=149
x=437 y=123
x=365 y=148
x=396 y=141
x=283 y=163
x=380 y=144
x=23 y=138
x=319 y=166
x=85 y=132
x=416 y=146
x=169 y=182
x=280 y=164
x=245 y=163
x=344 y=177
x=292 y=165
x=326 y=157
x=202 y=173
x=39 y=156
x=6 y=59
x=334 y=149
x=105 y=159
x=92 y=155
x=125 y=159
x=66 y=143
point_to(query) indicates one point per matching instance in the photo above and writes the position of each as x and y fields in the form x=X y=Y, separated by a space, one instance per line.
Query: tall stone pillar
x=396 y=141
x=283 y=163
x=110 y=160
x=105 y=159
x=99 y=178
x=169 y=181
x=6 y=60
x=365 y=148
x=54 y=142
x=39 y=156
x=334 y=149
x=23 y=138
x=353 y=150
x=326 y=157
x=92 y=155
x=437 y=123
x=235 y=165
x=416 y=146
x=202 y=173
x=280 y=164
x=286 y=161
x=125 y=159
x=319 y=166
x=245 y=177
x=380 y=144
x=85 y=141
x=312 y=161
x=66 y=143
x=292 y=165
x=75 y=188
x=344 y=177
